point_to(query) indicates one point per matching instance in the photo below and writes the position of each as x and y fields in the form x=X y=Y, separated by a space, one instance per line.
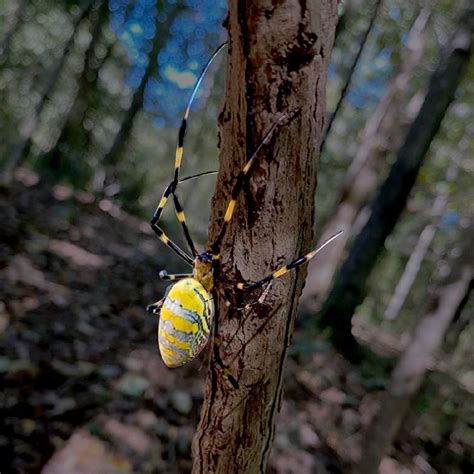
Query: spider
x=187 y=310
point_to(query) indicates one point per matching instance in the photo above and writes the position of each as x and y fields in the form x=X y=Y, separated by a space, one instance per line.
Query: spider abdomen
x=185 y=322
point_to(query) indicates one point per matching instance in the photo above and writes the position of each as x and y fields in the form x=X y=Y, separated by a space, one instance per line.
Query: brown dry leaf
x=85 y=454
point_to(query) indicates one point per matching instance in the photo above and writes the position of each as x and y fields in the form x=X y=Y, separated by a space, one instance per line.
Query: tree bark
x=279 y=53
x=410 y=371
x=349 y=288
x=381 y=136
x=21 y=150
x=112 y=156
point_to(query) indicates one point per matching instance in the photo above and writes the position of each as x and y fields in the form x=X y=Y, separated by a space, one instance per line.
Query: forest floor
x=83 y=386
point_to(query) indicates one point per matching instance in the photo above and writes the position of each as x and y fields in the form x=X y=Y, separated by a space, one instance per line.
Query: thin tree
x=382 y=135
x=351 y=72
x=13 y=25
x=350 y=287
x=71 y=140
x=21 y=149
x=421 y=248
x=411 y=368
x=112 y=156
x=279 y=53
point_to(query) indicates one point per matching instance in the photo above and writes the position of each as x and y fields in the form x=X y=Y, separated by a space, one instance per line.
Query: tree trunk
x=279 y=53
x=112 y=156
x=381 y=136
x=22 y=148
x=410 y=371
x=421 y=248
x=350 y=73
x=12 y=27
x=349 y=288
x=71 y=140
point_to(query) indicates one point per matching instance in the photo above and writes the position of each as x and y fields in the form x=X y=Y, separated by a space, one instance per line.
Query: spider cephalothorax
x=203 y=270
x=186 y=312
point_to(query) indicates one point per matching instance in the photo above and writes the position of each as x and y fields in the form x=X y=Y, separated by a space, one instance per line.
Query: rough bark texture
x=381 y=136
x=349 y=288
x=278 y=57
x=410 y=371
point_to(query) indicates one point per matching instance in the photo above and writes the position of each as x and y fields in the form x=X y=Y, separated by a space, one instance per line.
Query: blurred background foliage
x=92 y=94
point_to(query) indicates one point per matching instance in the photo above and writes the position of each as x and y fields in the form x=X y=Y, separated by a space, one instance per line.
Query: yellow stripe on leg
x=247 y=166
x=163 y=201
x=230 y=210
x=179 y=156
x=280 y=272
x=180 y=216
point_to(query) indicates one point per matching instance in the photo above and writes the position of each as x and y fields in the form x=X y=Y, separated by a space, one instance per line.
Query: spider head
x=203 y=270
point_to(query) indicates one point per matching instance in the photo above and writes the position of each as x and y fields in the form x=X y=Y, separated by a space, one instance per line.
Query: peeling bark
x=278 y=57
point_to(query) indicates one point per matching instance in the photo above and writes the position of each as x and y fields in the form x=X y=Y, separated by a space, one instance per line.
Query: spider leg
x=164 y=275
x=261 y=298
x=169 y=243
x=239 y=180
x=171 y=188
x=182 y=220
x=286 y=268
x=179 y=211
x=155 y=307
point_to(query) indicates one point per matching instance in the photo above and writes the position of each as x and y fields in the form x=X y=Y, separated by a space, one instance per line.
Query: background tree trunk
x=381 y=136
x=112 y=156
x=21 y=150
x=349 y=288
x=350 y=73
x=422 y=246
x=71 y=141
x=410 y=371
x=279 y=55
x=13 y=25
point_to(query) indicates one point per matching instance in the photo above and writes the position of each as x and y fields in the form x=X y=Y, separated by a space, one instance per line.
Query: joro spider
x=187 y=311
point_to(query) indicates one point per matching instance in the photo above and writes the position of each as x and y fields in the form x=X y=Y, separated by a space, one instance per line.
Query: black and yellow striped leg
x=239 y=180
x=180 y=214
x=164 y=198
x=261 y=298
x=285 y=269
x=182 y=220
x=164 y=275
x=170 y=189
x=169 y=243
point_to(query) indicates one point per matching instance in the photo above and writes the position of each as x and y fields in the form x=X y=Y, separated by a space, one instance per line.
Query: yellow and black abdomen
x=185 y=322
